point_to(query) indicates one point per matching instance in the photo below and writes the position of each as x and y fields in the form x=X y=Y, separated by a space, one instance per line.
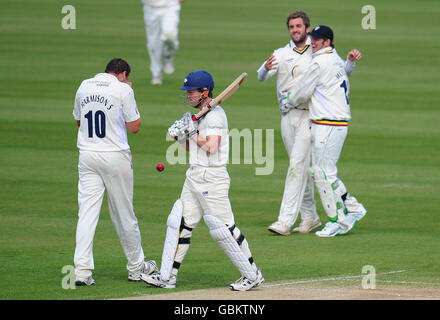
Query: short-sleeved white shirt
x=215 y=123
x=103 y=105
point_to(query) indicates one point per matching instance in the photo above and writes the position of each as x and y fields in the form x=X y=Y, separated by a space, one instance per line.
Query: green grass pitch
x=390 y=160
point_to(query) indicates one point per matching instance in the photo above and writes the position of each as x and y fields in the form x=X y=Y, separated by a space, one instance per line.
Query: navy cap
x=322 y=32
x=199 y=79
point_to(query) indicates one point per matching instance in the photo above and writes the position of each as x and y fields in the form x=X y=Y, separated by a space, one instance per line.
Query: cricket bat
x=229 y=91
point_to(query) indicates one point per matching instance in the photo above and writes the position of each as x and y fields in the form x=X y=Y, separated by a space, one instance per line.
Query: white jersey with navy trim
x=330 y=99
x=103 y=105
x=325 y=84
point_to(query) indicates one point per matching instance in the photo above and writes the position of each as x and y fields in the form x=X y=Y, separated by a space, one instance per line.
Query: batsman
x=205 y=192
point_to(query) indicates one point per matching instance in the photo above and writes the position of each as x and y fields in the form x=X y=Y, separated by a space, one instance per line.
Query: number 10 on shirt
x=97 y=122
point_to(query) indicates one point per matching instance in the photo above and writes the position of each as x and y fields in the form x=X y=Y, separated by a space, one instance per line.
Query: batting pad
x=171 y=240
x=221 y=234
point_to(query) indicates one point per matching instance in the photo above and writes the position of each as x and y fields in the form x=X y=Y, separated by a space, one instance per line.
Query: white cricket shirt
x=292 y=62
x=102 y=105
x=326 y=84
x=215 y=123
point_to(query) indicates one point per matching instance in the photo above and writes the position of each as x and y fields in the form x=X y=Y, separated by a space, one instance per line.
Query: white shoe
x=331 y=229
x=148 y=267
x=156 y=281
x=280 y=228
x=308 y=225
x=245 y=284
x=168 y=65
x=156 y=80
x=84 y=281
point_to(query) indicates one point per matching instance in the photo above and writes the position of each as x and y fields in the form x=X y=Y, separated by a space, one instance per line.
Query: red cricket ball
x=160 y=167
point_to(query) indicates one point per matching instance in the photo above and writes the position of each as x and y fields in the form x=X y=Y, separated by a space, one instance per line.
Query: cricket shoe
x=156 y=280
x=331 y=229
x=280 y=228
x=156 y=80
x=308 y=225
x=168 y=65
x=80 y=282
x=148 y=267
x=245 y=284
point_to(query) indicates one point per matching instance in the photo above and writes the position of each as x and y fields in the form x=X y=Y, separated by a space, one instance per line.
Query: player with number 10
x=104 y=109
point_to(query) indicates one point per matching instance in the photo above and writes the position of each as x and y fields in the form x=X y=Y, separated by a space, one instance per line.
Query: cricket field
x=390 y=160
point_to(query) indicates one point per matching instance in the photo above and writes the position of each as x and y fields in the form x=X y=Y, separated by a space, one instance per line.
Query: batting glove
x=174 y=130
x=190 y=127
x=284 y=102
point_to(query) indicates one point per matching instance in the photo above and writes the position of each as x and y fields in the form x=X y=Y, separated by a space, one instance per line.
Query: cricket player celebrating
x=325 y=85
x=289 y=63
x=205 y=191
x=104 y=108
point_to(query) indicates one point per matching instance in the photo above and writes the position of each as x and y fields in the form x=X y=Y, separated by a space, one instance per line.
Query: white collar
x=105 y=75
x=323 y=50
x=293 y=45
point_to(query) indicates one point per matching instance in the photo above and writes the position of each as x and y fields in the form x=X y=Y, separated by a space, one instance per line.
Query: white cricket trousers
x=111 y=171
x=327 y=143
x=298 y=189
x=206 y=190
x=161 y=24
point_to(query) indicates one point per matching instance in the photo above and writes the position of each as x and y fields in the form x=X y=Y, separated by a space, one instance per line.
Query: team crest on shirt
x=294 y=69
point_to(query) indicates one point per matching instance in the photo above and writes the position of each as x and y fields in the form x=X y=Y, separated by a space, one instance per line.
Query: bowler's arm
x=268 y=68
x=134 y=126
x=130 y=111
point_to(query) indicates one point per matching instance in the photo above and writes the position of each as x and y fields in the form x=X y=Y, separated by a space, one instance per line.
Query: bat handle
x=202 y=112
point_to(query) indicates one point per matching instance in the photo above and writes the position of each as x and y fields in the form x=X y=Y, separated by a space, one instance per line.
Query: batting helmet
x=200 y=79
